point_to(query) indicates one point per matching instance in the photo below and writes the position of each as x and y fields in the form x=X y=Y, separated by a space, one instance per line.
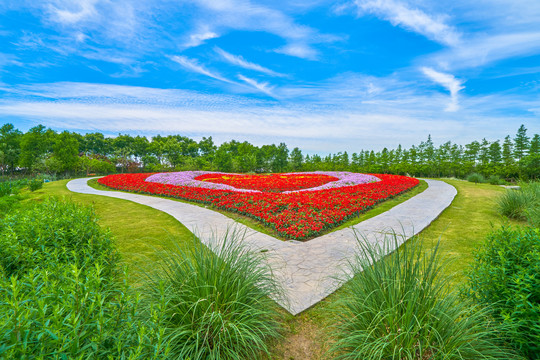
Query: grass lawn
x=461 y=228
x=138 y=229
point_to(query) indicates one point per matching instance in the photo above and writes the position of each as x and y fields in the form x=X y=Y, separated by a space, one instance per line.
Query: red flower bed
x=299 y=215
x=269 y=183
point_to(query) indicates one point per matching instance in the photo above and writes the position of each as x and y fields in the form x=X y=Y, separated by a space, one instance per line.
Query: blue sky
x=325 y=76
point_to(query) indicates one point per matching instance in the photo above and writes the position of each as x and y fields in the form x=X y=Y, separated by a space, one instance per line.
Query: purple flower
x=187 y=178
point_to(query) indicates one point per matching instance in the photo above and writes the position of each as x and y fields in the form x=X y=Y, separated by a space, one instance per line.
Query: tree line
x=44 y=151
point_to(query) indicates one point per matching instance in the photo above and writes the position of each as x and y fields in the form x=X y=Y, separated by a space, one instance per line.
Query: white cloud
x=487 y=49
x=413 y=19
x=240 y=61
x=200 y=36
x=299 y=50
x=194 y=66
x=449 y=82
x=245 y=15
x=262 y=87
x=326 y=124
x=73 y=11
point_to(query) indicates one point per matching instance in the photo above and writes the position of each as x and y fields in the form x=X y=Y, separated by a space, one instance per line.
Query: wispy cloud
x=263 y=87
x=225 y=15
x=299 y=50
x=399 y=14
x=73 y=11
x=194 y=66
x=347 y=126
x=200 y=36
x=449 y=82
x=487 y=49
x=240 y=61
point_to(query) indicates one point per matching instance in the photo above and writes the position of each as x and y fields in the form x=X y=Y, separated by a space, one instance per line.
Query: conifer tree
x=521 y=143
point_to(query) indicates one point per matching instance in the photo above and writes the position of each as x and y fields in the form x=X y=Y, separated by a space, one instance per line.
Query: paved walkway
x=312 y=270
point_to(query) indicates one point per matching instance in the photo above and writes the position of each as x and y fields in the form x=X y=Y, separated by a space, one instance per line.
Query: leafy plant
x=400 y=307
x=35 y=184
x=504 y=275
x=476 y=178
x=54 y=232
x=60 y=296
x=495 y=180
x=217 y=301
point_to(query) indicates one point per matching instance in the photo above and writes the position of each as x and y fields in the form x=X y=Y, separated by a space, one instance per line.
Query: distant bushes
x=505 y=275
x=476 y=178
x=400 y=307
x=522 y=203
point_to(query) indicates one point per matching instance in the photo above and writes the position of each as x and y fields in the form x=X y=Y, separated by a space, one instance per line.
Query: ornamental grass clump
x=400 y=307
x=522 y=203
x=218 y=303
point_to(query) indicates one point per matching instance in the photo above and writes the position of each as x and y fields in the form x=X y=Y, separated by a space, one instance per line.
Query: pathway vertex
x=312 y=270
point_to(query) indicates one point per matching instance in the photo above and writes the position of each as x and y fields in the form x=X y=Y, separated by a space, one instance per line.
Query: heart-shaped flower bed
x=297 y=214
x=269 y=183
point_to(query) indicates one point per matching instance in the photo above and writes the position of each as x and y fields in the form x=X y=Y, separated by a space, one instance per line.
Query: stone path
x=312 y=270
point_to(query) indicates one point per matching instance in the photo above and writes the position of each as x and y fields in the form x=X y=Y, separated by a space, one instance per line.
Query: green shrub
x=11 y=187
x=53 y=232
x=505 y=274
x=476 y=178
x=495 y=180
x=58 y=296
x=218 y=304
x=35 y=184
x=400 y=307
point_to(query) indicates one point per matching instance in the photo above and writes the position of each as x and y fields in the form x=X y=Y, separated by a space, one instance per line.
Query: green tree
x=296 y=160
x=223 y=159
x=94 y=144
x=34 y=145
x=279 y=164
x=10 y=147
x=534 y=148
x=66 y=151
x=521 y=143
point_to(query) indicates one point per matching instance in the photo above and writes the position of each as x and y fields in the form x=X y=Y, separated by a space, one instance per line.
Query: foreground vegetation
x=152 y=319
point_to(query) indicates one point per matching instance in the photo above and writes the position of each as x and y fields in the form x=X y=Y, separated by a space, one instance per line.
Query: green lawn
x=139 y=230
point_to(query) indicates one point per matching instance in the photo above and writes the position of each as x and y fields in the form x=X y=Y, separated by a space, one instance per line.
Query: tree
x=508 y=151
x=66 y=151
x=10 y=147
x=280 y=159
x=296 y=159
x=521 y=143
x=207 y=148
x=94 y=143
x=494 y=153
x=534 y=148
x=223 y=159
x=34 y=145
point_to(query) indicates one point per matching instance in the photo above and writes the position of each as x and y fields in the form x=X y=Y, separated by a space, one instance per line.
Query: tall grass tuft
x=522 y=204
x=400 y=307
x=217 y=300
